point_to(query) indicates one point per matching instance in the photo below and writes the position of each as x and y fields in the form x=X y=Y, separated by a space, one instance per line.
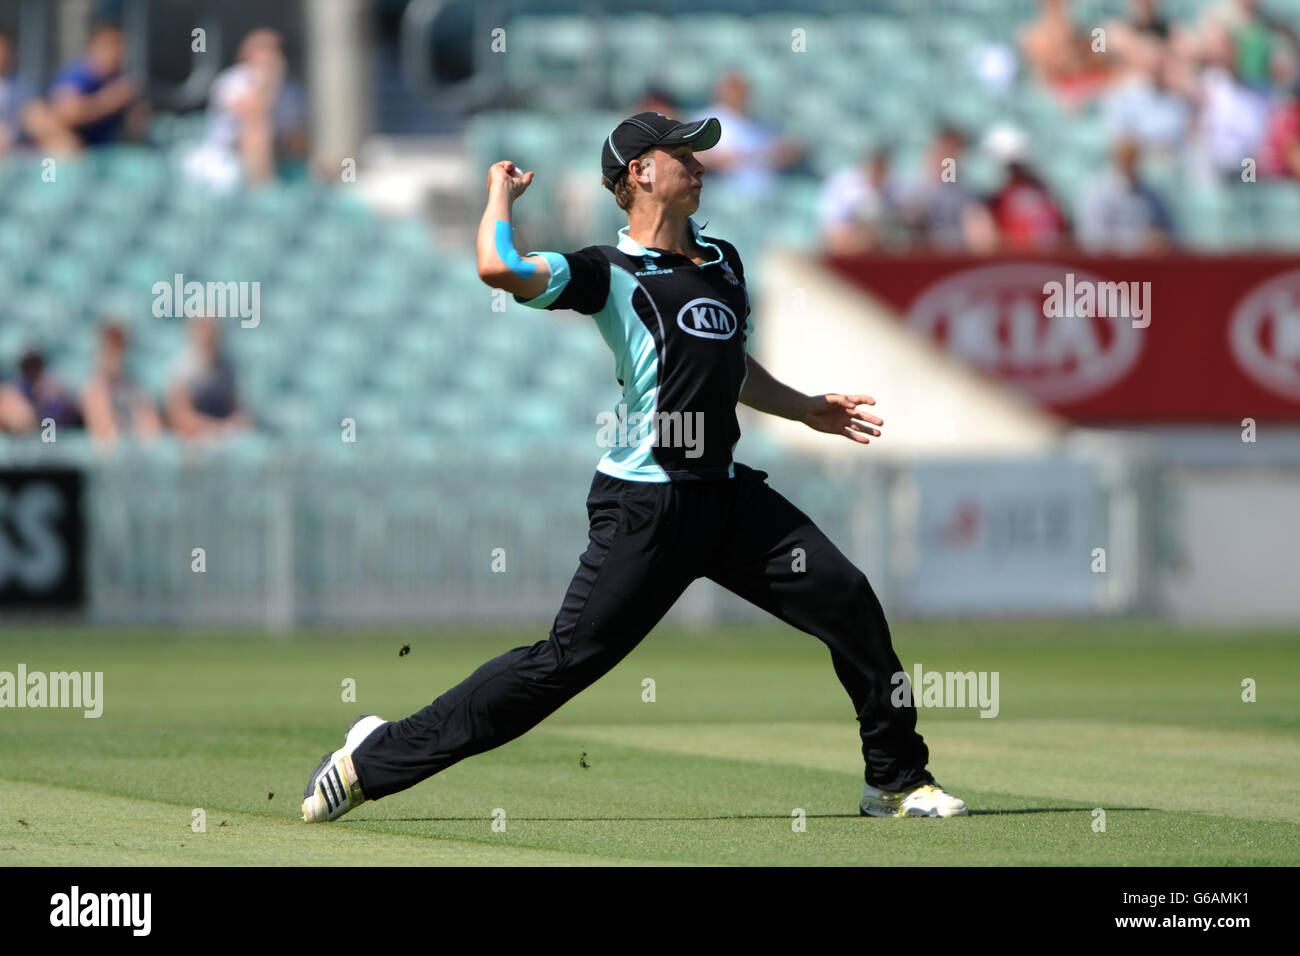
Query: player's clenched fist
x=506 y=175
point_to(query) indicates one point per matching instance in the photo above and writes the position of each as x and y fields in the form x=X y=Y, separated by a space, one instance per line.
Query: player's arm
x=499 y=264
x=832 y=413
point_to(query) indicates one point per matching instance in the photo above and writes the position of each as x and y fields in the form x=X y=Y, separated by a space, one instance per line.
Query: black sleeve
x=587 y=287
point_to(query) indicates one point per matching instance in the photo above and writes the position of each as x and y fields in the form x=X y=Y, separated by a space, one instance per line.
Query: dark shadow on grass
x=729 y=816
x=1058 y=810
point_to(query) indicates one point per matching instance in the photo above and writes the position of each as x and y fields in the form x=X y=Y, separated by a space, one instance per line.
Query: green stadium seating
x=372 y=317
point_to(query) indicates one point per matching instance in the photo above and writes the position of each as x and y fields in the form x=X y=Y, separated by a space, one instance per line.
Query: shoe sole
x=913 y=812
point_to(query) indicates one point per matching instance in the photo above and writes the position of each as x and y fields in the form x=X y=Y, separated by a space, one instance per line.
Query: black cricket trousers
x=647 y=542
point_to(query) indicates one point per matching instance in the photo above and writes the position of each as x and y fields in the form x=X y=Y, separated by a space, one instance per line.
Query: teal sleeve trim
x=505 y=243
x=559 y=267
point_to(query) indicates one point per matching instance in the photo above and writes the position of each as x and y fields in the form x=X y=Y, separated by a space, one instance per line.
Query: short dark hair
x=31 y=364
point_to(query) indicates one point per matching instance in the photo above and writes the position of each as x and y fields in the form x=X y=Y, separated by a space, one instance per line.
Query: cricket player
x=673 y=306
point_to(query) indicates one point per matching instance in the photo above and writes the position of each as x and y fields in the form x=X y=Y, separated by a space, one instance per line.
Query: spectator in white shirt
x=254 y=112
x=1149 y=105
x=1233 y=118
x=749 y=155
x=859 y=208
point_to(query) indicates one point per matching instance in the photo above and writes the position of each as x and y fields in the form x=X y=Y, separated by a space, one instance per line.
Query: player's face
x=679 y=177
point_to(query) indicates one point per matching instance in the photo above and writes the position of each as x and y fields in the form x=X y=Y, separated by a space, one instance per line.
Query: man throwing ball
x=672 y=305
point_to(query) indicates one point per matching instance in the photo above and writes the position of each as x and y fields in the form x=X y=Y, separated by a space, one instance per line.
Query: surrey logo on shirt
x=708 y=319
x=649 y=268
x=730 y=276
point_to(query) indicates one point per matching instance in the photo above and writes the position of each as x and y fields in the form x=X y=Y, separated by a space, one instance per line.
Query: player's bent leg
x=782 y=562
x=501 y=700
x=626 y=581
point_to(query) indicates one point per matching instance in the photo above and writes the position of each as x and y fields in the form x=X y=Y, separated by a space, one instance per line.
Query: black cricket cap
x=638 y=134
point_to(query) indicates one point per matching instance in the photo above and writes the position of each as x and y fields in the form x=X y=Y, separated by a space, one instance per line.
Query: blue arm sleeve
x=504 y=239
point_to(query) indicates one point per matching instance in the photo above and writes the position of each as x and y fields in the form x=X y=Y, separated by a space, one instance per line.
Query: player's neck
x=654 y=229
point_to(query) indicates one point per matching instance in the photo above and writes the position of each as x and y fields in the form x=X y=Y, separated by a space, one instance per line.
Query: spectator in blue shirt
x=35 y=396
x=90 y=96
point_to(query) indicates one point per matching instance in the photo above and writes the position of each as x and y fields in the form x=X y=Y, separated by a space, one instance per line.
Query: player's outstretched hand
x=839 y=415
x=509 y=177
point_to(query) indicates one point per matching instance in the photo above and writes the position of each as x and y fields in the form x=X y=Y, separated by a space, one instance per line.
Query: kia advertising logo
x=707 y=318
x=1264 y=334
x=994 y=318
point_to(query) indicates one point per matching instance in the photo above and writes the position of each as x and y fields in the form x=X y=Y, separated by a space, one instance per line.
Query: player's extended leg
x=818 y=590
x=638 y=562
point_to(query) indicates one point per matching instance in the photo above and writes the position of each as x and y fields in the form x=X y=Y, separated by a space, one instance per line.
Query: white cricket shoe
x=927 y=800
x=333 y=789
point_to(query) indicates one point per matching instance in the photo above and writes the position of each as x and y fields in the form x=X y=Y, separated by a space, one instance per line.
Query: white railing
x=375 y=534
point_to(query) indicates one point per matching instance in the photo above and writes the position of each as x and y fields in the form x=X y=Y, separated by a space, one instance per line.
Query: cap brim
x=700 y=135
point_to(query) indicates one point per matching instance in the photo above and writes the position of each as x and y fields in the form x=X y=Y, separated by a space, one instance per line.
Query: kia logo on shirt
x=707 y=318
x=1265 y=334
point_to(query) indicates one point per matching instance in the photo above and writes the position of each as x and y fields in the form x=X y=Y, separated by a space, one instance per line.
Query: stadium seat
x=1281 y=216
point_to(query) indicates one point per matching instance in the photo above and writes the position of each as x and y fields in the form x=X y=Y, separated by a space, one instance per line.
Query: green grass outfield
x=1143 y=720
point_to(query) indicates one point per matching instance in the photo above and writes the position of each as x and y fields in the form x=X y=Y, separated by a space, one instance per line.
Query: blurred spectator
x=90 y=97
x=1233 y=116
x=1026 y=216
x=14 y=97
x=1145 y=33
x=255 y=114
x=1281 y=156
x=1061 y=55
x=115 y=406
x=1251 y=35
x=943 y=213
x=35 y=396
x=1149 y=104
x=202 y=401
x=657 y=100
x=859 y=209
x=1147 y=22
x=23 y=114
x=1118 y=212
x=749 y=156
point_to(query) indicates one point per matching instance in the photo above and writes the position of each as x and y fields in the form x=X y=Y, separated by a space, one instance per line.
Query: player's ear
x=642 y=170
